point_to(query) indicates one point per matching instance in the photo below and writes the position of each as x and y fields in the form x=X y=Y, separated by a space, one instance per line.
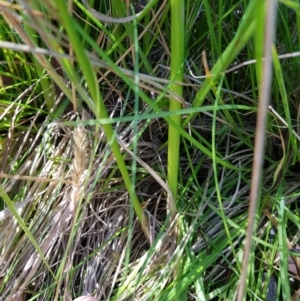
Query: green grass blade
x=177 y=58
x=244 y=32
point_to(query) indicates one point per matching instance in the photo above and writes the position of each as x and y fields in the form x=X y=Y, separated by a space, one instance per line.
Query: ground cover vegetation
x=149 y=150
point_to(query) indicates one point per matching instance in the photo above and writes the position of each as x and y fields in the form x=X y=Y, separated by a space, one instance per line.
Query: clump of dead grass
x=75 y=193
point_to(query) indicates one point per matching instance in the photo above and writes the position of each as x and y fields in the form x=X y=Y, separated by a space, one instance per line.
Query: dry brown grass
x=77 y=209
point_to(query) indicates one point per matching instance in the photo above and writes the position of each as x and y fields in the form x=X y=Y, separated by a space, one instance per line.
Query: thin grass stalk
x=134 y=147
x=100 y=112
x=255 y=191
x=283 y=253
x=177 y=58
x=298 y=70
x=212 y=32
x=214 y=163
x=284 y=96
x=176 y=75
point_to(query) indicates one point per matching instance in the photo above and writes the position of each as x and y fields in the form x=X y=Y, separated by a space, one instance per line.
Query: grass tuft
x=129 y=150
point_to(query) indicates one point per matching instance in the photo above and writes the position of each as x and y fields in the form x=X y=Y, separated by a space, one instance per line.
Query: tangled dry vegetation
x=76 y=207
